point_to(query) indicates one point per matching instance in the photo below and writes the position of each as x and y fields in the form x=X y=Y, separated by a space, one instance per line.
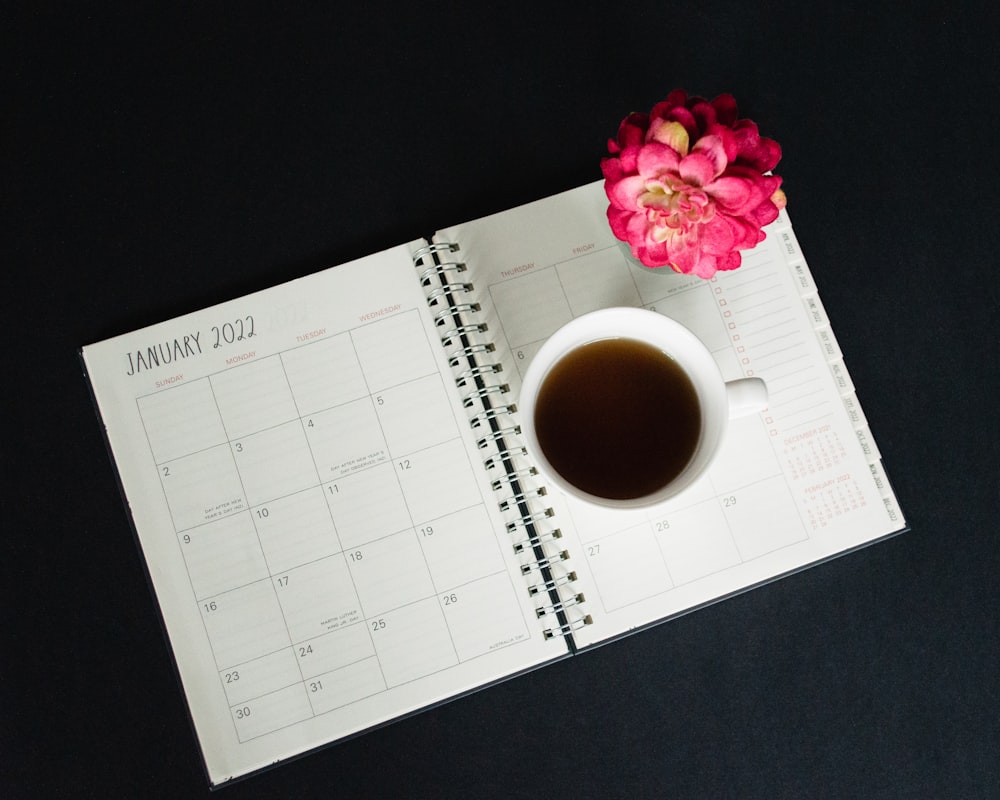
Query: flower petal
x=729 y=261
x=655 y=159
x=685 y=259
x=612 y=170
x=745 y=233
x=735 y=195
x=726 y=111
x=697 y=169
x=618 y=219
x=765 y=213
x=678 y=97
x=728 y=138
x=632 y=129
x=625 y=193
x=704 y=114
x=712 y=147
x=716 y=236
x=628 y=157
x=673 y=134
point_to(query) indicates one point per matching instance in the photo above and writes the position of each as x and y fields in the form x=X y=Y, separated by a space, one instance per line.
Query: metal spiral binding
x=575 y=600
x=455 y=359
x=569 y=627
x=527 y=519
x=497 y=388
x=516 y=475
x=463 y=378
x=551 y=536
x=470 y=356
x=441 y=269
x=532 y=566
x=477 y=420
x=509 y=502
x=462 y=330
x=501 y=456
x=434 y=247
x=548 y=586
x=446 y=290
x=451 y=312
x=484 y=441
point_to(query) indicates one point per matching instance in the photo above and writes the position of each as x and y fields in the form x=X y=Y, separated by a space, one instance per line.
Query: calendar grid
x=296 y=457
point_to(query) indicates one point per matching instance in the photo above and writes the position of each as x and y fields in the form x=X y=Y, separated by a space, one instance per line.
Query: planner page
x=793 y=485
x=324 y=547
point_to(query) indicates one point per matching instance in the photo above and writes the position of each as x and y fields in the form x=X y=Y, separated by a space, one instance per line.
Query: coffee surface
x=618 y=418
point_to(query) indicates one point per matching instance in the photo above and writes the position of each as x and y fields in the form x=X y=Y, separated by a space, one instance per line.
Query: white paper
x=321 y=537
x=793 y=485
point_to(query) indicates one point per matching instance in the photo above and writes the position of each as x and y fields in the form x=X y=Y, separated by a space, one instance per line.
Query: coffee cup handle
x=746 y=396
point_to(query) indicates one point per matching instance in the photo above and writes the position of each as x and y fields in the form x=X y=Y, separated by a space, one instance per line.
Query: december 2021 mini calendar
x=341 y=524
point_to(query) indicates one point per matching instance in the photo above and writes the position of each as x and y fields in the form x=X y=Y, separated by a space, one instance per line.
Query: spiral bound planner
x=339 y=519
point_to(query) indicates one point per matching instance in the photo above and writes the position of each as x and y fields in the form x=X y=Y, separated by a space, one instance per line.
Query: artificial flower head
x=688 y=184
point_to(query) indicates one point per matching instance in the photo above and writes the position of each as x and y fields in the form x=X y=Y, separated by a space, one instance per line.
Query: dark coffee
x=618 y=418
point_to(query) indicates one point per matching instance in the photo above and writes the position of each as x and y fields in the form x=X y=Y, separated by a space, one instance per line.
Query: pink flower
x=687 y=185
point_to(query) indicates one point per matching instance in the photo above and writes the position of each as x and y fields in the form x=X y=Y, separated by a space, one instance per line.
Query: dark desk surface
x=155 y=165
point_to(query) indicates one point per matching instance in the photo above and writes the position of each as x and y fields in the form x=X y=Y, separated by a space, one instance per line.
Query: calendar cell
x=729 y=472
x=460 y=547
x=770 y=500
x=628 y=567
x=588 y=281
x=437 y=481
x=351 y=644
x=532 y=307
x=181 y=420
x=696 y=541
x=202 y=487
x=345 y=439
x=393 y=351
x=295 y=530
x=412 y=641
x=223 y=555
x=244 y=624
x=401 y=406
x=261 y=676
x=271 y=712
x=344 y=686
x=367 y=505
x=324 y=374
x=253 y=397
x=389 y=573
x=317 y=597
x=653 y=289
x=695 y=309
x=483 y=616
x=275 y=463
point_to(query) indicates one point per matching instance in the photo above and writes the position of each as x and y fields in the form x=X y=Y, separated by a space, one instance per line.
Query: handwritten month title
x=176 y=350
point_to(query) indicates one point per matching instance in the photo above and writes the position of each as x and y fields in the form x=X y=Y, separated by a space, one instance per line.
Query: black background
x=155 y=163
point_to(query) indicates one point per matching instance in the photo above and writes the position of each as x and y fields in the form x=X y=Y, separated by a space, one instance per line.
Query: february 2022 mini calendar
x=341 y=524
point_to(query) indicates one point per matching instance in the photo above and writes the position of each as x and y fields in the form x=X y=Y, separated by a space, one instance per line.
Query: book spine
x=521 y=500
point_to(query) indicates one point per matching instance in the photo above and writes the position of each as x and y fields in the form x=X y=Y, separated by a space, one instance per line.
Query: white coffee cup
x=719 y=400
